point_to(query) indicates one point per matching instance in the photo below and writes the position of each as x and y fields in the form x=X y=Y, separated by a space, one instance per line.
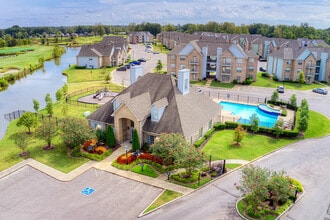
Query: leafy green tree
x=254 y=182
x=58 y=51
x=304 y=109
x=278 y=127
x=159 y=66
x=274 y=96
x=59 y=95
x=75 y=131
x=49 y=104
x=135 y=141
x=293 y=100
x=301 y=78
x=47 y=131
x=22 y=140
x=48 y=98
x=110 y=137
x=107 y=78
x=280 y=188
x=188 y=157
x=27 y=119
x=254 y=123
x=164 y=144
x=302 y=124
x=239 y=134
x=36 y=105
x=65 y=89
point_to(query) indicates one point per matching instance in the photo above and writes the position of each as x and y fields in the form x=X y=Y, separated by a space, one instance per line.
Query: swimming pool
x=245 y=112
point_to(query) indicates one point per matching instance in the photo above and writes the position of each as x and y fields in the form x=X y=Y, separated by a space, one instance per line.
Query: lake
x=35 y=86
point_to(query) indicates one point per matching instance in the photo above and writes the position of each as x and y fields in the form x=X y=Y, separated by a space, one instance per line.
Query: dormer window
x=115 y=105
x=154 y=114
x=157 y=109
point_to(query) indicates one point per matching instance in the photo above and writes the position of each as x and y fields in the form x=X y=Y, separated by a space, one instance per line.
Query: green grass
x=318 y=125
x=147 y=170
x=23 y=61
x=252 y=146
x=13 y=50
x=232 y=165
x=199 y=82
x=265 y=82
x=86 y=75
x=165 y=197
x=222 y=85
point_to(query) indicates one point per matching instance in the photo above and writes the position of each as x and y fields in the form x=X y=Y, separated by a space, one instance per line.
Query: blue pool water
x=245 y=112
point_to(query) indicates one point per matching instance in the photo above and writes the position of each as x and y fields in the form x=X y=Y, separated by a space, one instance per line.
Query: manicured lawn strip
x=318 y=125
x=25 y=60
x=13 y=50
x=86 y=75
x=252 y=146
x=232 y=165
x=147 y=170
x=165 y=197
x=265 y=82
x=201 y=83
x=222 y=85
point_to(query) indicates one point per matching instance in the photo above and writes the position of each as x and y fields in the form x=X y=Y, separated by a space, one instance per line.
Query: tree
x=65 y=89
x=304 y=108
x=27 y=119
x=274 y=96
x=164 y=144
x=47 y=131
x=293 y=100
x=159 y=66
x=254 y=182
x=107 y=78
x=239 y=134
x=49 y=104
x=110 y=137
x=36 y=105
x=188 y=157
x=302 y=124
x=254 y=123
x=301 y=77
x=278 y=127
x=75 y=131
x=65 y=109
x=22 y=140
x=280 y=188
x=59 y=95
x=58 y=51
x=135 y=141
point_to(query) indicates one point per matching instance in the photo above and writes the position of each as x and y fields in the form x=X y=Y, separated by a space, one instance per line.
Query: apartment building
x=286 y=63
x=225 y=62
x=140 y=37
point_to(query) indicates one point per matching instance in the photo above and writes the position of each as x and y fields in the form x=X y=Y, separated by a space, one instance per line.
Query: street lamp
x=126 y=148
x=142 y=165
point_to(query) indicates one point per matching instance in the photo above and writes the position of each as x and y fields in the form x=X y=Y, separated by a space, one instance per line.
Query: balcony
x=193 y=71
x=194 y=62
x=310 y=67
x=226 y=73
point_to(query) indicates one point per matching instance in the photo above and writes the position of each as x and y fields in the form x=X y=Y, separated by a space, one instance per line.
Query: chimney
x=183 y=81
x=135 y=73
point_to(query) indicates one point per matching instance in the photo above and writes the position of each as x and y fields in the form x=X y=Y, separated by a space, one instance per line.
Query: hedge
x=199 y=142
x=279 y=103
x=219 y=126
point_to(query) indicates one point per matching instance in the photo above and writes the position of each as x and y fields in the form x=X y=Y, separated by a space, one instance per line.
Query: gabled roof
x=183 y=114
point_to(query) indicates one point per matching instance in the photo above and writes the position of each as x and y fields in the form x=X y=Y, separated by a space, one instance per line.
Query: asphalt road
x=308 y=161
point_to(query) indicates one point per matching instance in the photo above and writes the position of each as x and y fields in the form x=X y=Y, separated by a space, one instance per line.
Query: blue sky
x=27 y=13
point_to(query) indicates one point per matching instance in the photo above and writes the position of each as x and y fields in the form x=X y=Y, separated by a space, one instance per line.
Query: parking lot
x=138 y=51
x=30 y=194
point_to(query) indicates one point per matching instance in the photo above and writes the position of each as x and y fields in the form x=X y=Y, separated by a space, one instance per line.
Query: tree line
x=17 y=35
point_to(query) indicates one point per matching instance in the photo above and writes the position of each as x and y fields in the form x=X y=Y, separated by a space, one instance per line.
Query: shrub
x=289 y=134
x=199 y=142
x=219 y=126
x=230 y=124
x=235 y=81
x=3 y=83
x=122 y=158
x=151 y=157
x=80 y=67
x=209 y=133
x=251 y=212
x=264 y=74
x=284 y=112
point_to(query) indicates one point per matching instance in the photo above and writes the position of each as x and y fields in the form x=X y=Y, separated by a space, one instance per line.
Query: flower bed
x=130 y=158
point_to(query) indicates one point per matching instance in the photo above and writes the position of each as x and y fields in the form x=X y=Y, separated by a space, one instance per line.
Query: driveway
x=307 y=160
x=137 y=52
x=30 y=194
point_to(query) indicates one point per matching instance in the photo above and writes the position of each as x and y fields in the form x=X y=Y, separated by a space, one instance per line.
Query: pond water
x=35 y=86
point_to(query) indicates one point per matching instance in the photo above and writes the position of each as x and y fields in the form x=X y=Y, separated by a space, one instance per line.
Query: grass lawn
x=265 y=82
x=165 y=197
x=222 y=85
x=86 y=75
x=199 y=82
x=147 y=170
x=30 y=58
x=252 y=146
x=57 y=158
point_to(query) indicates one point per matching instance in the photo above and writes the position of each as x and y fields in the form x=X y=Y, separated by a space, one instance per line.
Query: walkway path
x=160 y=181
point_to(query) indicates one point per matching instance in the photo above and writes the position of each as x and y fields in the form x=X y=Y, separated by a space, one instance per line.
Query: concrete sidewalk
x=105 y=165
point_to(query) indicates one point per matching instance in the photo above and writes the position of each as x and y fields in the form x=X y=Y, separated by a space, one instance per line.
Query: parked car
x=280 y=89
x=128 y=66
x=142 y=60
x=321 y=91
x=122 y=68
x=135 y=62
x=262 y=69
